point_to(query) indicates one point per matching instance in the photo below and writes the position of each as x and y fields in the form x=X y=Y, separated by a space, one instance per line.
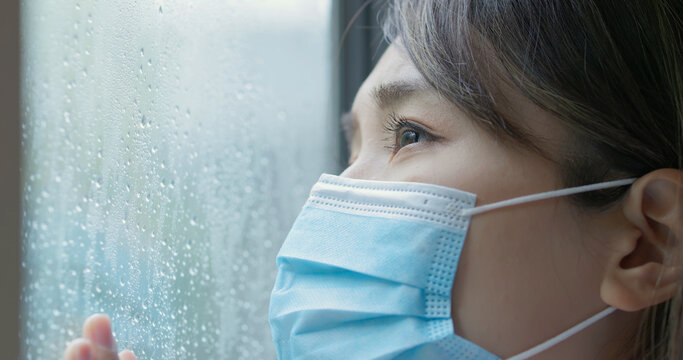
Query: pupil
x=408 y=138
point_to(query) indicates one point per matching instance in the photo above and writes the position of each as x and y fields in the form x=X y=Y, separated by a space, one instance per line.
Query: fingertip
x=127 y=355
x=97 y=318
x=97 y=328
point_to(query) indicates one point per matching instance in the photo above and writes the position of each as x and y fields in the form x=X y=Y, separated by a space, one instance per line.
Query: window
x=168 y=146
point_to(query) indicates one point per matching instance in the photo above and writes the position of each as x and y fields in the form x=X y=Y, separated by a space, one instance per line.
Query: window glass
x=168 y=146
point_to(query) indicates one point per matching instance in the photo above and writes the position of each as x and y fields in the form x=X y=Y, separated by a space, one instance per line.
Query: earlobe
x=644 y=269
x=640 y=287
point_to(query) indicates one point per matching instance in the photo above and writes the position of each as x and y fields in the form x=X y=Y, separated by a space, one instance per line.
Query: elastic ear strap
x=563 y=336
x=545 y=195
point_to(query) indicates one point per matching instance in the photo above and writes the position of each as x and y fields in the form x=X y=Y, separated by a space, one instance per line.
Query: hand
x=97 y=342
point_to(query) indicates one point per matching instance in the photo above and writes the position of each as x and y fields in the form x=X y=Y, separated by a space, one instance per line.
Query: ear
x=642 y=269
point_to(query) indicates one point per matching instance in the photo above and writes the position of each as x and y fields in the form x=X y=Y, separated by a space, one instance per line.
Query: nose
x=363 y=168
x=351 y=171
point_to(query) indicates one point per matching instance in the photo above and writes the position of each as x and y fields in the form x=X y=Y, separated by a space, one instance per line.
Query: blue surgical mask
x=367 y=269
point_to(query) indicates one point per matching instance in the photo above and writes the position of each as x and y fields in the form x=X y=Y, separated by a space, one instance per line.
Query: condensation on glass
x=168 y=146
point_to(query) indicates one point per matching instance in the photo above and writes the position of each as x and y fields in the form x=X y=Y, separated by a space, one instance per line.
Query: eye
x=408 y=137
x=404 y=133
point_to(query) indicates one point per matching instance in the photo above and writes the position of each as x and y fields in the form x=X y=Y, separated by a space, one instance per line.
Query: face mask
x=367 y=269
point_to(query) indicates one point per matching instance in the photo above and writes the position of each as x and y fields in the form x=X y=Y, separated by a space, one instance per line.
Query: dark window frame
x=361 y=44
x=10 y=191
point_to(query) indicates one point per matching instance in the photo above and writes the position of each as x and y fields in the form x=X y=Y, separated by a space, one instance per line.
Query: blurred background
x=154 y=156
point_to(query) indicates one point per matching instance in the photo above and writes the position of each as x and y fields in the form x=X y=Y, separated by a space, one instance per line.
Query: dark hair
x=610 y=71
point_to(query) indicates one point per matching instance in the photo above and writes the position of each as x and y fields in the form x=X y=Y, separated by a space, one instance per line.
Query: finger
x=127 y=355
x=97 y=329
x=78 y=349
x=100 y=353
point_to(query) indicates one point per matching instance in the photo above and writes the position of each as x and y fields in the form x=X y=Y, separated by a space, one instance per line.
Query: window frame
x=10 y=188
x=361 y=44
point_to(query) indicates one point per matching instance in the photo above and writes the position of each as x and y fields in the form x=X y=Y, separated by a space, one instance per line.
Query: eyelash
x=395 y=125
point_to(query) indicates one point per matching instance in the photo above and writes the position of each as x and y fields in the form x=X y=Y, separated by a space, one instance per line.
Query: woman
x=501 y=100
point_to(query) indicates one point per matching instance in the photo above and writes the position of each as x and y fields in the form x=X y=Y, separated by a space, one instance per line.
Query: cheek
x=453 y=165
x=519 y=265
x=475 y=163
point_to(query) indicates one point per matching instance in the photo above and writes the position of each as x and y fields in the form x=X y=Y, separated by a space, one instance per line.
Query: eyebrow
x=388 y=94
x=385 y=95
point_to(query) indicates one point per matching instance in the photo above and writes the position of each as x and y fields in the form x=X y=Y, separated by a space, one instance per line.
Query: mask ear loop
x=563 y=336
x=545 y=195
x=542 y=196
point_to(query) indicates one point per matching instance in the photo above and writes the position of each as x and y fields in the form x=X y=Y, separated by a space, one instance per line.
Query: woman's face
x=526 y=272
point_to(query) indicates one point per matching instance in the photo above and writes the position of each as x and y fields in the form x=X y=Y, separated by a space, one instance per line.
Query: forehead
x=393 y=66
x=394 y=63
